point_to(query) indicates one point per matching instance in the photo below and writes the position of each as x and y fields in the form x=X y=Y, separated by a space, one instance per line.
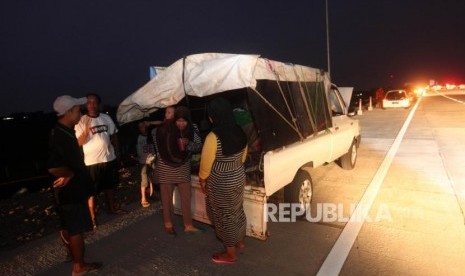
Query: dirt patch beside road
x=29 y=216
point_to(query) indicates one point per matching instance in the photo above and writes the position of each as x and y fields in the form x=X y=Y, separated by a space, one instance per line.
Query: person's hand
x=86 y=122
x=203 y=183
x=61 y=181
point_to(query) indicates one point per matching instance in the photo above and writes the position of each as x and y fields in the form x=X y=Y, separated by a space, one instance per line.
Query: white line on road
x=338 y=254
x=450 y=98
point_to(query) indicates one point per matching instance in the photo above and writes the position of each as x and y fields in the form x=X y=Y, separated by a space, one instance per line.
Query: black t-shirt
x=64 y=151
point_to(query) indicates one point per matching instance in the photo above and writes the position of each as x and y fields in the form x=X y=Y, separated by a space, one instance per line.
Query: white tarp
x=207 y=74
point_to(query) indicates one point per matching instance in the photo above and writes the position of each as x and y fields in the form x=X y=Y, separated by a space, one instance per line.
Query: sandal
x=170 y=231
x=220 y=258
x=94 y=223
x=194 y=231
x=145 y=204
x=91 y=267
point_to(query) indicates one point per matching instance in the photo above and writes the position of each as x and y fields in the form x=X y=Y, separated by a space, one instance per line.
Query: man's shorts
x=104 y=175
x=75 y=218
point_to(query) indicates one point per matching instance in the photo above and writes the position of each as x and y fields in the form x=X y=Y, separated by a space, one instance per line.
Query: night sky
x=49 y=48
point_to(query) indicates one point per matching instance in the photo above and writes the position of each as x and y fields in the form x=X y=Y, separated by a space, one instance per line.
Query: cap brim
x=81 y=101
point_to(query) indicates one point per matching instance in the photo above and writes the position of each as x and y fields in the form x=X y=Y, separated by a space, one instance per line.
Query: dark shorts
x=75 y=218
x=104 y=175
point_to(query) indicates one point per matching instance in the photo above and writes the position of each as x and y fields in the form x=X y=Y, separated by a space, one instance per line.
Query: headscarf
x=231 y=136
x=167 y=135
x=182 y=112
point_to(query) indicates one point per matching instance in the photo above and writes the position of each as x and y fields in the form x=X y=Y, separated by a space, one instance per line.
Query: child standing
x=145 y=155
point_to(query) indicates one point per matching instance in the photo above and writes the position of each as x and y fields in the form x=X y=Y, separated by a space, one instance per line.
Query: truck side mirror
x=351 y=110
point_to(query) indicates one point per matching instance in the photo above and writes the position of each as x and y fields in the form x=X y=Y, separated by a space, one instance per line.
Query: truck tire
x=348 y=160
x=300 y=190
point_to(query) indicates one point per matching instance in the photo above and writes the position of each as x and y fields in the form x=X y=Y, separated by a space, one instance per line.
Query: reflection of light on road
x=338 y=254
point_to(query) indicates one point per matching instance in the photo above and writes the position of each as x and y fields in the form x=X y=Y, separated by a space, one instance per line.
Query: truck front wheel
x=300 y=190
x=348 y=160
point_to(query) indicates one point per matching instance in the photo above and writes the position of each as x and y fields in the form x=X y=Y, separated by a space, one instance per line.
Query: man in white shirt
x=97 y=134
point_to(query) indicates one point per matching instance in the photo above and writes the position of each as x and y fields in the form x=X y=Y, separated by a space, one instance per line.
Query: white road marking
x=450 y=98
x=338 y=254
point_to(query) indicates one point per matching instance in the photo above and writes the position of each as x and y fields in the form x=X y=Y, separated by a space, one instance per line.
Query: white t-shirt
x=143 y=149
x=98 y=147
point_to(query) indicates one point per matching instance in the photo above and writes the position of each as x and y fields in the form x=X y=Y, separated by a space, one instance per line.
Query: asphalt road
x=409 y=180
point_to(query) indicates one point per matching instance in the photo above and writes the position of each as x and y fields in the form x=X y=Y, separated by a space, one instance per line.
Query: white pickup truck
x=299 y=117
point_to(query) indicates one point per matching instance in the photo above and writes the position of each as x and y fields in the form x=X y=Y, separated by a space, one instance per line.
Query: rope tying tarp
x=294 y=120
x=277 y=112
x=302 y=93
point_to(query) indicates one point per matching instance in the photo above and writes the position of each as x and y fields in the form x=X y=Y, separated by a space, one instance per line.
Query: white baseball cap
x=66 y=102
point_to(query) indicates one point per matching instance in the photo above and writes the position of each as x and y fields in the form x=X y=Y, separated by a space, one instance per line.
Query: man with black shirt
x=72 y=185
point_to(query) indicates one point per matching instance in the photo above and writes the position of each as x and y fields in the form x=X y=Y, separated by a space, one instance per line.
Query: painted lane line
x=450 y=98
x=338 y=254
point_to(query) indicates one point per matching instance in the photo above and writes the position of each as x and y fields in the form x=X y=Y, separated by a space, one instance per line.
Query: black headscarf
x=167 y=135
x=182 y=112
x=232 y=137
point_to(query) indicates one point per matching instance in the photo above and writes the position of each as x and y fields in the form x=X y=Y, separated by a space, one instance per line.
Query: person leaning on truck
x=222 y=179
x=73 y=185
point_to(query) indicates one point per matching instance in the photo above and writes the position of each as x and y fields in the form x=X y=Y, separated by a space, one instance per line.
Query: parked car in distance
x=396 y=99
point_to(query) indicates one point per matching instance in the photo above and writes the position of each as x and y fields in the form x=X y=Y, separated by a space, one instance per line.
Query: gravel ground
x=30 y=216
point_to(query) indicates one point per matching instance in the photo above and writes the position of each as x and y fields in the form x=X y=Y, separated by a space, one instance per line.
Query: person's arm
x=56 y=163
x=116 y=146
x=83 y=128
x=196 y=144
x=207 y=158
x=244 y=155
x=62 y=175
x=153 y=123
x=113 y=131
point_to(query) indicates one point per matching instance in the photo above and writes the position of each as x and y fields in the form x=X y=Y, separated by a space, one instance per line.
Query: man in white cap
x=72 y=185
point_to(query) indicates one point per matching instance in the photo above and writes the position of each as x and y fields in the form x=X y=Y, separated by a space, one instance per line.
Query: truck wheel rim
x=305 y=195
x=353 y=156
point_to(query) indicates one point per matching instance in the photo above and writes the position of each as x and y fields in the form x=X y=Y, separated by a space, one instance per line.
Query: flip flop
x=91 y=267
x=217 y=259
x=145 y=204
x=94 y=223
x=195 y=231
x=170 y=231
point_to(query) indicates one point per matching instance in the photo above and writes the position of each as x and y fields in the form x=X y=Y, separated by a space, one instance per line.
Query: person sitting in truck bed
x=243 y=118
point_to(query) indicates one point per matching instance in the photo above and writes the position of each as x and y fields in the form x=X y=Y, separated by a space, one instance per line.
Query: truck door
x=341 y=130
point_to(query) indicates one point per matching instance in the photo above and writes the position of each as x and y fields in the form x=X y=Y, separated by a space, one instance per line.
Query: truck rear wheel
x=300 y=190
x=348 y=160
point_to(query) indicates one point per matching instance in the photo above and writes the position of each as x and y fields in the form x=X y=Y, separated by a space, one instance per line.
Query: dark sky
x=49 y=48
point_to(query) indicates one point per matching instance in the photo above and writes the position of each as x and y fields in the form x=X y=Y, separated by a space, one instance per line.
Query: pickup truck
x=296 y=116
